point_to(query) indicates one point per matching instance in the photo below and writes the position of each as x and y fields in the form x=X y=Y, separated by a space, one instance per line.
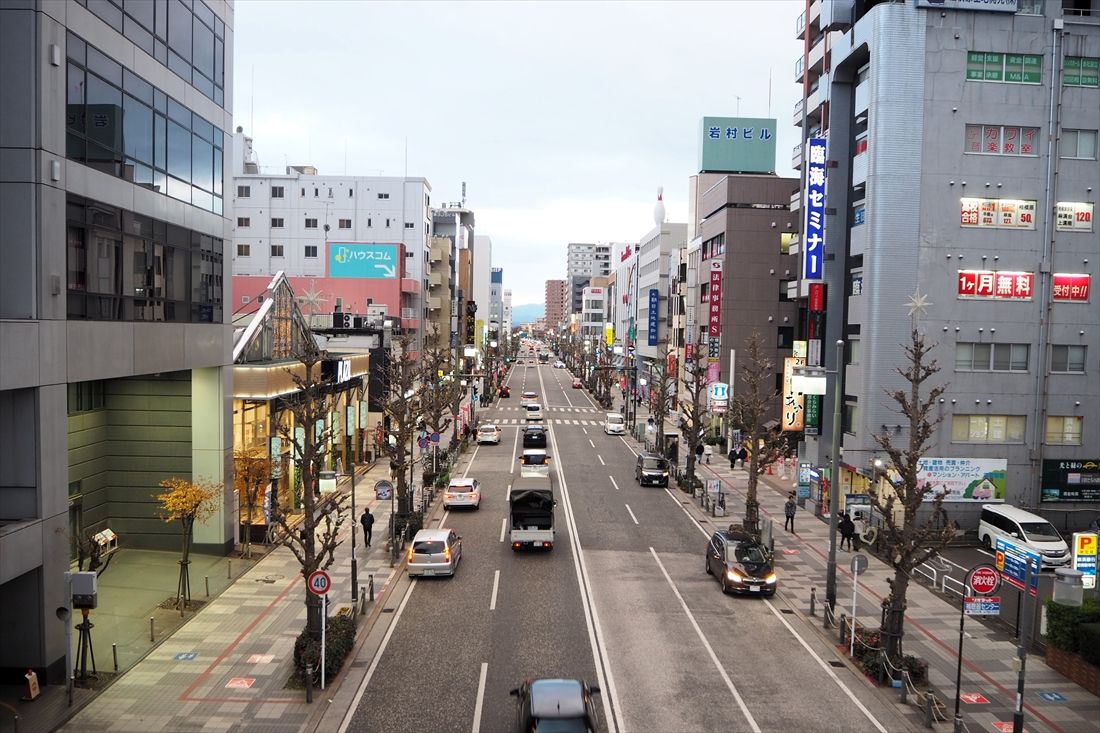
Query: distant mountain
x=526 y=313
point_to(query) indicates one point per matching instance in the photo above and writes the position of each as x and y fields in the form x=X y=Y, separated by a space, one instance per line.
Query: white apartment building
x=585 y=261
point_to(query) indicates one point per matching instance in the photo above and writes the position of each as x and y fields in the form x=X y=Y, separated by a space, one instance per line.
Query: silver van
x=1024 y=528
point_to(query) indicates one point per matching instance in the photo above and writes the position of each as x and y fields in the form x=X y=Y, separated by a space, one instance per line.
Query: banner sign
x=997 y=6
x=813 y=249
x=714 y=322
x=1077 y=481
x=964 y=479
x=654 y=314
x=1084 y=556
x=817 y=297
x=990 y=284
x=982 y=605
x=1012 y=560
x=1070 y=288
x=792 y=418
x=359 y=260
x=811 y=422
x=1072 y=216
x=737 y=145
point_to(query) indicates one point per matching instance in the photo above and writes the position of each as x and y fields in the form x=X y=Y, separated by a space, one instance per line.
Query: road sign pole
x=959 y=669
x=324 y=627
x=855 y=591
x=1025 y=642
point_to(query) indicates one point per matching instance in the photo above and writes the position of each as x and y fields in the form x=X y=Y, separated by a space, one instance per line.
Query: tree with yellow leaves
x=188 y=502
x=251 y=475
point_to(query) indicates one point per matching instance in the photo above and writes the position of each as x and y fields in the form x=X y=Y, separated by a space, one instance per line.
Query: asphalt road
x=622 y=601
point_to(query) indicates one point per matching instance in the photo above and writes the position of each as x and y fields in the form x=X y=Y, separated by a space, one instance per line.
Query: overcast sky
x=562 y=117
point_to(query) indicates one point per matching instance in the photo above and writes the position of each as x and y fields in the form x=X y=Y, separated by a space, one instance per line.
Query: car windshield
x=488 y=429
x=533 y=408
x=1040 y=531
x=749 y=554
x=561 y=725
x=615 y=419
x=535 y=460
x=428 y=547
x=530 y=395
x=653 y=463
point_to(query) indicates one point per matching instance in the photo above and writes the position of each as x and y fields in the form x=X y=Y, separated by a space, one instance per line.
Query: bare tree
x=251 y=476
x=750 y=410
x=662 y=389
x=693 y=408
x=315 y=541
x=437 y=390
x=906 y=541
x=189 y=502
x=401 y=411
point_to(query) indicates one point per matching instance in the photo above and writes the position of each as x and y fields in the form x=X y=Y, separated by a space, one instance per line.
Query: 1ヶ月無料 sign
x=368 y=260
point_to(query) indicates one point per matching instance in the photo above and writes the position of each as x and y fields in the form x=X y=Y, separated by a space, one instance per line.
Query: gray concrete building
x=584 y=261
x=962 y=164
x=114 y=343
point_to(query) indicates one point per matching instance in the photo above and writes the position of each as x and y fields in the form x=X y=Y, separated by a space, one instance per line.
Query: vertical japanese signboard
x=792 y=401
x=654 y=315
x=813 y=249
x=714 y=321
x=1084 y=557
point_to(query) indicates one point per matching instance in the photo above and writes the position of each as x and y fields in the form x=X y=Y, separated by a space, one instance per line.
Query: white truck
x=531 y=513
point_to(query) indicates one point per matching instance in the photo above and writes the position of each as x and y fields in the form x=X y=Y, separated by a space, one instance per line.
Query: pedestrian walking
x=743 y=456
x=367 y=520
x=788 y=512
x=847 y=530
x=733 y=458
x=708 y=451
x=699 y=453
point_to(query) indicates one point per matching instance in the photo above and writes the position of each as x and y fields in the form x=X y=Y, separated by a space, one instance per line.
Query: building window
x=387 y=223
x=1081 y=71
x=244 y=192
x=383 y=196
x=1001 y=140
x=245 y=300
x=1030 y=7
x=410 y=225
x=277 y=192
x=121 y=125
x=276 y=250
x=784 y=337
x=1067 y=359
x=849 y=418
x=979 y=357
x=277 y=222
x=1064 y=430
x=86 y=396
x=244 y=221
x=311 y=223
x=243 y=250
x=345 y=223
x=351 y=192
x=857 y=283
x=311 y=251
x=303 y=192
x=369 y=222
x=988 y=428
x=1010 y=68
x=851 y=354
x=1078 y=144
x=316 y=192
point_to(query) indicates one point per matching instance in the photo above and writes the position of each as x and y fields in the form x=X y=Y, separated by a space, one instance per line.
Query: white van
x=534 y=412
x=614 y=424
x=1023 y=528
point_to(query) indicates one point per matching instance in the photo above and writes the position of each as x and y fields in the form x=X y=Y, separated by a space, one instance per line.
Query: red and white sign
x=714 y=323
x=817 y=297
x=993 y=284
x=1071 y=288
x=1072 y=216
x=625 y=255
x=1004 y=727
x=595 y=291
x=974 y=698
x=984 y=580
x=240 y=683
x=319 y=582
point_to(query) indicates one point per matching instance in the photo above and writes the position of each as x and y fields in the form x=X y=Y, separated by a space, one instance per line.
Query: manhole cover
x=269 y=579
x=836 y=663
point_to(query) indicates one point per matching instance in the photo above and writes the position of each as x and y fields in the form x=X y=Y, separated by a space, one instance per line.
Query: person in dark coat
x=788 y=512
x=367 y=520
x=847 y=530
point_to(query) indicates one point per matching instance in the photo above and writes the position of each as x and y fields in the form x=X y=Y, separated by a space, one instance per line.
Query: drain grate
x=786 y=610
x=837 y=663
x=360 y=664
x=387 y=610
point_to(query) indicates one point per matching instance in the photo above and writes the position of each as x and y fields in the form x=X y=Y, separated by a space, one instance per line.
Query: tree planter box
x=1075 y=668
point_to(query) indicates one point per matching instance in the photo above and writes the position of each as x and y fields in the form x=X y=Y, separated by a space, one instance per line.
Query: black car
x=534 y=436
x=651 y=469
x=557 y=705
x=741 y=563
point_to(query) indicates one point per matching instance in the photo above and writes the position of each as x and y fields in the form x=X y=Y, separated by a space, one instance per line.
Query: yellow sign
x=793 y=402
x=609 y=333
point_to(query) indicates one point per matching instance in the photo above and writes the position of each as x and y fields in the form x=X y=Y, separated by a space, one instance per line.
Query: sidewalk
x=931 y=625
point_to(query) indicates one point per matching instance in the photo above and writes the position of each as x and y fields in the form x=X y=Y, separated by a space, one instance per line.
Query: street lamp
x=811 y=380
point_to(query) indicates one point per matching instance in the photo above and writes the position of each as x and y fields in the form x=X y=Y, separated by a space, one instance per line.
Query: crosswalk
x=552 y=421
x=550 y=409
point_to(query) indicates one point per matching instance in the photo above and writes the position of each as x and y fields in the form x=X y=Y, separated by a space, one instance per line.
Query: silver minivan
x=1024 y=528
x=534 y=412
x=434 y=552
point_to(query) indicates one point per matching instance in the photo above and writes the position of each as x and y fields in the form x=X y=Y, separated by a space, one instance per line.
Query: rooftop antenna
x=769 y=91
x=252 y=103
x=345 y=156
x=738 y=105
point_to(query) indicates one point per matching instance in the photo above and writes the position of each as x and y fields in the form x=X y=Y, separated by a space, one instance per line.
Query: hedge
x=1064 y=623
x=1088 y=641
x=339 y=639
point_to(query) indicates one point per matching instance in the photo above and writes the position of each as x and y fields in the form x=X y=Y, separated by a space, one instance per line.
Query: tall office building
x=114 y=342
x=506 y=312
x=557 y=304
x=496 y=304
x=959 y=169
x=583 y=262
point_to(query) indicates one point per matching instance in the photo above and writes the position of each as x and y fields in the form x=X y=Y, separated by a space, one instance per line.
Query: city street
x=621 y=601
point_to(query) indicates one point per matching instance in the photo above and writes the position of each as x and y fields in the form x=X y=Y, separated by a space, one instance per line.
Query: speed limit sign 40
x=319 y=582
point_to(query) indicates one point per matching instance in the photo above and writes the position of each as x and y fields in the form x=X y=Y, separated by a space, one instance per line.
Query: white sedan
x=488 y=434
x=462 y=492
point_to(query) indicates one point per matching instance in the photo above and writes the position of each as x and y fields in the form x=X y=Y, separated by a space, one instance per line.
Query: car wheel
x=987 y=542
x=709 y=571
x=725 y=588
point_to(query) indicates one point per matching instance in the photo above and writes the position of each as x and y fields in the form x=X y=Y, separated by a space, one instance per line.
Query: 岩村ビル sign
x=813 y=249
x=1064 y=480
x=976 y=284
x=737 y=145
x=964 y=479
x=654 y=315
x=1012 y=561
x=363 y=260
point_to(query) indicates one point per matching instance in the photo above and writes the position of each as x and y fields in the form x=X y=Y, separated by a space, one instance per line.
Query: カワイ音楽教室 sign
x=363 y=260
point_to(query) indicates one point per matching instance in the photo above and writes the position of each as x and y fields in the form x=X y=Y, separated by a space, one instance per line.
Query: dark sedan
x=556 y=706
x=741 y=564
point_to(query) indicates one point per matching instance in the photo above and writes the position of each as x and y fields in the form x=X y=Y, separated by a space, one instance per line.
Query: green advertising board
x=737 y=145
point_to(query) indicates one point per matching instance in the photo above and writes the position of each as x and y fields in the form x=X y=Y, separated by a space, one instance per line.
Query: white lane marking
x=828 y=670
x=591 y=443
x=515 y=456
x=613 y=711
x=631 y=513
x=472 y=457
x=985 y=551
x=496 y=582
x=586 y=431
x=377 y=658
x=480 y=697
x=600 y=457
x=503 y=527
x=443 y=519
x=685 y=511
x=613 y=483
x=709 y=648
x=629 y=447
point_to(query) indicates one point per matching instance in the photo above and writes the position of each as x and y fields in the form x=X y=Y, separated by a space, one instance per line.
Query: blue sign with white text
x=654 y=314
x=813 y=249
x=1012 y=561
x=356 y=259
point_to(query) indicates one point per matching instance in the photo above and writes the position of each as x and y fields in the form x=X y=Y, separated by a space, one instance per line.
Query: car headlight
x=771 y=579
x=735 y=576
